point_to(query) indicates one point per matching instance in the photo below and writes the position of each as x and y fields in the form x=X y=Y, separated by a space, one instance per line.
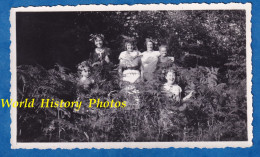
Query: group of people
x=134 y=66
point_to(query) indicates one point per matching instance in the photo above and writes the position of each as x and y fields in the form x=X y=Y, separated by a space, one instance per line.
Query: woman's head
x=98 y=40
x=163 y=50
x=85 y=72
x=84 y=69
x=129 y=46
x=149 y=44
x=170 y=76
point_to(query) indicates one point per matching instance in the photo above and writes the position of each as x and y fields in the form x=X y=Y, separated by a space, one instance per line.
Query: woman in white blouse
x=149 y=60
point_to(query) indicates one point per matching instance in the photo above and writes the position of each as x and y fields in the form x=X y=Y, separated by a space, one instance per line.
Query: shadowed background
x=207 y=38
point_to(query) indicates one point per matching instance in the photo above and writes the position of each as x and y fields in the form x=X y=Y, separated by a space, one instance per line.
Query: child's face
x=85 y=72
x=149 y=46
x=98 y=42
x=163 y=51
x=129 y=47
x=170 y=77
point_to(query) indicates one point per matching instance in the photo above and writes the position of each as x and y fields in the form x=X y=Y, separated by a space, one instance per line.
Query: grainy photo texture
x=158 y=74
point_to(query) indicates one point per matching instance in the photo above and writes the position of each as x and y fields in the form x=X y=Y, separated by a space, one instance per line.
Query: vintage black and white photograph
x=140 y=76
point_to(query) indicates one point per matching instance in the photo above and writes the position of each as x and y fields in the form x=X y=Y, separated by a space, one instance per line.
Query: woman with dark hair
x=101 y=53
x=171 y=89
x=99 y=59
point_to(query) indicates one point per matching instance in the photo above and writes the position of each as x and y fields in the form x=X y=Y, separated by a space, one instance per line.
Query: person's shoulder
x=165 y=86
x=122 y=55
x=135 y=53
x=178 y=87
x=93 y=52
x=145 y=53
x=157 y=53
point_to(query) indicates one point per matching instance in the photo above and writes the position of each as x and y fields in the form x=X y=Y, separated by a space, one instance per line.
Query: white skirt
x=131 y=75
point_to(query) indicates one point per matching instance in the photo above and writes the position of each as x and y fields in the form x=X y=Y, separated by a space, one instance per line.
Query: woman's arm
x=142 y=72
x=171 y=58
x=120 y=69
x=107 y=59
x=187 y=96
x=108 y=52
x=120 y=66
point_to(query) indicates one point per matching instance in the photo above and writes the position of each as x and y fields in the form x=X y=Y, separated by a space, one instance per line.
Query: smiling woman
x=101 y=53
x=149 y=60
x=130 y=64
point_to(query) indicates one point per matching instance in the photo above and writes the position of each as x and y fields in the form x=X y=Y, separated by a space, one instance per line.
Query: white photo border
x=119 y=145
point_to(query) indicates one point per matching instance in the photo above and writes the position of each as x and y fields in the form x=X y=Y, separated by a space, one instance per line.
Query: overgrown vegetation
x=209 y=49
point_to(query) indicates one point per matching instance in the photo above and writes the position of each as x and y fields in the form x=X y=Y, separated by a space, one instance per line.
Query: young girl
x=163 y=55
x=164 y=62
x=101 y=53
x=173 y=90
x=85 y=81
x=100 y=57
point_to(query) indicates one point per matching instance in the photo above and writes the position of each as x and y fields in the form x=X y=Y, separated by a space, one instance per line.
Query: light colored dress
x=149 y=63
x=172 y=91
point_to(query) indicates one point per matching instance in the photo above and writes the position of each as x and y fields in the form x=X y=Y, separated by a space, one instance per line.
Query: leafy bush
x=216 y=112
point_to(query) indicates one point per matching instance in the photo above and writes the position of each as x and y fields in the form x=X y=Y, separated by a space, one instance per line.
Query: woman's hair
x=154 y=41
x=163 y=46
x=83 y=64
x=94 y=37
x=172 y=70
x=148 y=40
x=129 y=42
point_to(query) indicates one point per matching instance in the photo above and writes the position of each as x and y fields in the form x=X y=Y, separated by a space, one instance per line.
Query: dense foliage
x=209 y=48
